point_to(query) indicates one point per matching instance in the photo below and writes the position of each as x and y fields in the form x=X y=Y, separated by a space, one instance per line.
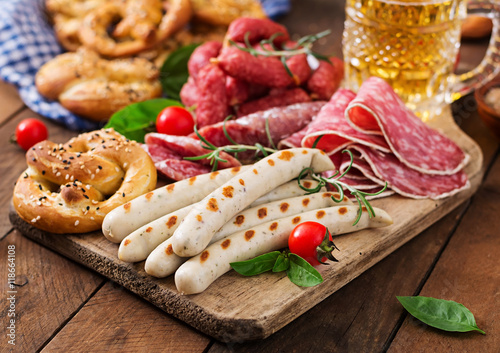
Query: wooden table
x=62 y=306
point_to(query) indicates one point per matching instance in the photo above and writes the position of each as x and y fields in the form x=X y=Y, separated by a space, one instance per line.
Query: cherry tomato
x=175 y=121
x=29 y=132
x=312 y=241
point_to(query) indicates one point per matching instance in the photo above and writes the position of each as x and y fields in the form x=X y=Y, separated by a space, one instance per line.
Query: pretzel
x=68 y=16
x=95 y=88
x=69 y=188
x=223 y=12
x=140 y=25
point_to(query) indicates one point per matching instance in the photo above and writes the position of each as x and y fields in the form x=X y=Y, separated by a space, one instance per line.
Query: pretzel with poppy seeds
x=69 y=188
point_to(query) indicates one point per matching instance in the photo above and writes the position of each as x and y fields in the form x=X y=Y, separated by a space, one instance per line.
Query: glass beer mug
x=413 y=45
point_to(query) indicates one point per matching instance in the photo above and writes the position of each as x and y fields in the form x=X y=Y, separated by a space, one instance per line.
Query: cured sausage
x=265 y=71
x=208 y=215
x=256 y=29
x=201 y=57
x=251 y=129
x=278 y=99
x=212 y=106
x=325 y=80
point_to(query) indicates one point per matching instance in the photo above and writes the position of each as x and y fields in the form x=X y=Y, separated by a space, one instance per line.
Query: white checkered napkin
x=27 y=41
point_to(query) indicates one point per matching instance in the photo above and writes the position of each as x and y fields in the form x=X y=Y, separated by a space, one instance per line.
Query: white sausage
x=163 y=261
x=138 y=245
x=208 y=215
x=196 y=274
x=124 y=219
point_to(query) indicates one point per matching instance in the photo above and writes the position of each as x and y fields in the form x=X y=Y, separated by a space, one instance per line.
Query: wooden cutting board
x=236 y=308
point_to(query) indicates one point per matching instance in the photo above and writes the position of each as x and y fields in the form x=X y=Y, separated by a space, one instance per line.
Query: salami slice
x=180 y=169
x=159 y=153
x=410 y=182
x=332 y=125
x=251 y=129
x=378 y=110
x=187 y=147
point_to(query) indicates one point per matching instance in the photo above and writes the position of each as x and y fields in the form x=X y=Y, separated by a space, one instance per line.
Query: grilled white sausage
x=124 y=219
x=196 y=274
x=141 y=242
x=208 y=215
x=163 y=261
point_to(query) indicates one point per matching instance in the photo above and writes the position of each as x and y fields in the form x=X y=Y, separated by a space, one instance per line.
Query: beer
x=412 y=44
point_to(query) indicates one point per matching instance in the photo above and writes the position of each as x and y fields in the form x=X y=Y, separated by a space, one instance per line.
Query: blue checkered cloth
x=27 y=41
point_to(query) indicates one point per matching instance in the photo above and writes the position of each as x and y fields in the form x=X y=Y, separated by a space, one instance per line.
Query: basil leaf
x=257 y=265
x=302 y=273
x=282 y=263
x=174 y=71
x=137 y=119
x=439 y=313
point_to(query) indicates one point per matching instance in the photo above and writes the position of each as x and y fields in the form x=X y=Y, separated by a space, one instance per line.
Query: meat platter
x=236 y=308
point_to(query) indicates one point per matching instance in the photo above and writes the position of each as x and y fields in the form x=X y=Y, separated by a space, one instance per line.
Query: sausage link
x=326 y=79
x=208 y=215
x=124 y=219
x=197 y=273
x=212 y=105
x=284 y=98
x=257 y=29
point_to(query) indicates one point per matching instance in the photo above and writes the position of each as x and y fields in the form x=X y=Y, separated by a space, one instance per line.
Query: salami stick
x=199 y=226
x=141 y=242
x=123 y=220
x=196 y=274
x=163 y=261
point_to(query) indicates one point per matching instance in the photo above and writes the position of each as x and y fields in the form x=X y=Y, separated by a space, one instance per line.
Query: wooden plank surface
x=236 y=308
x=9 y=101
x=46 y=294
x=359 y=317
x=468 y=273
x=115 y=320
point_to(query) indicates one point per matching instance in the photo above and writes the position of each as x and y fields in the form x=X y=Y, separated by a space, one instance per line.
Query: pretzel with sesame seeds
x=69 y=188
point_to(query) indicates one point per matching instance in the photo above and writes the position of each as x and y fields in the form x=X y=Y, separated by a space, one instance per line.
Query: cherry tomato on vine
x=175 y=121
x=313 y=242
x=29 y=132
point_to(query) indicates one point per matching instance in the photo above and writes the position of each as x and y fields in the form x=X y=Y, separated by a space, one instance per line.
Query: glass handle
x=489 y=67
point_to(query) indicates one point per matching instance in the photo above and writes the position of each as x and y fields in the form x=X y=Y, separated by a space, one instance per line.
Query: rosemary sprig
x=214 y=157
x=303 y=46
x=359 y=195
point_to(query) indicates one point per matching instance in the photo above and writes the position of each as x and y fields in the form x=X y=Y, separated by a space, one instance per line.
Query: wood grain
x=115 y=320
x=467 y=272
x=46 y=295
x=236 y=308
x=9 y=101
